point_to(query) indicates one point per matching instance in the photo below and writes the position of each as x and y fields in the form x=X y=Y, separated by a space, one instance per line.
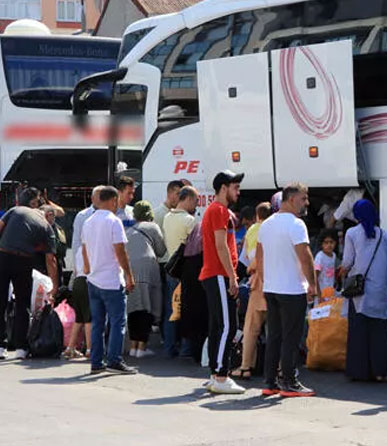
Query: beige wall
x=49 y=16
x=119 y=14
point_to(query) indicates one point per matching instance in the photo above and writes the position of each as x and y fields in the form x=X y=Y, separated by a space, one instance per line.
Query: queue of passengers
x=120 y=276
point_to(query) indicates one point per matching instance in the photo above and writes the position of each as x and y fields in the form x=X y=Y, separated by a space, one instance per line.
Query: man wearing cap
x=219 y=279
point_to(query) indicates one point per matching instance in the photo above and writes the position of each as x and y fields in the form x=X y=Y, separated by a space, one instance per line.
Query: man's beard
x=230 y=199
x=303 y=212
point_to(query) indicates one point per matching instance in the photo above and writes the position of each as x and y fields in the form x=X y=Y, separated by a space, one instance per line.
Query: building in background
x=61 y=16
x=118 y=14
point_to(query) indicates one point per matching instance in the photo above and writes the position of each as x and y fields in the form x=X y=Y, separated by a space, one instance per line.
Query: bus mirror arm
x=83 y=89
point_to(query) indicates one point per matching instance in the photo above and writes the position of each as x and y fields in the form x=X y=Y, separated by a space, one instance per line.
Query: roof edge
x=101 y=17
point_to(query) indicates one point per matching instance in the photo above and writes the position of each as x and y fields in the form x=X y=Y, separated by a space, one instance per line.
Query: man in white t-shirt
x=106 y=264
x=286 y=263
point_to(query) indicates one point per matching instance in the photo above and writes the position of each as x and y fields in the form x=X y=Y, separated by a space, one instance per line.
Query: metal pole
x=112 y=150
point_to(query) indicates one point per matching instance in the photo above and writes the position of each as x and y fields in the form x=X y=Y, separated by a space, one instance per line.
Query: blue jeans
x=112 y=303
x=170 y=329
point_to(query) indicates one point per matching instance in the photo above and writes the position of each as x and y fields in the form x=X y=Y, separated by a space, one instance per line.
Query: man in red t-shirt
x=219 y=279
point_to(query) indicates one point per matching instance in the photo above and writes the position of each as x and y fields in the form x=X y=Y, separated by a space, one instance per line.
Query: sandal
x=72 y=353
x=241 y=374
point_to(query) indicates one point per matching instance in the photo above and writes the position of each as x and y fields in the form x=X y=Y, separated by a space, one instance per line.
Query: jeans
x=18 y=270
x=112 y=303
x=285 y=320
x=170 y=328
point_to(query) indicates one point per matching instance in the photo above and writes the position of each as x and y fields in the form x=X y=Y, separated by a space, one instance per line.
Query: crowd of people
x=125 y=278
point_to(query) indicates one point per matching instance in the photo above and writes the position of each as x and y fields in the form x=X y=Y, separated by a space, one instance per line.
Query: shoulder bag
x=174 y=266
x=354 y=285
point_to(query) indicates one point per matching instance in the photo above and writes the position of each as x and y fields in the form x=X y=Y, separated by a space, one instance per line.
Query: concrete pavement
x=55 y=403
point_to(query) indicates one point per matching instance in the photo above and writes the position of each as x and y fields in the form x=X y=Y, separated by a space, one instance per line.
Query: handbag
x=354 y=285
x=174 y=266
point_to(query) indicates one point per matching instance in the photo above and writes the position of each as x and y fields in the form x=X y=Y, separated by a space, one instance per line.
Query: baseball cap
x=227 y=177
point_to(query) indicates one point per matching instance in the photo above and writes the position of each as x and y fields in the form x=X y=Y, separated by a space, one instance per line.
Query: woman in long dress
x=367 y=314
x=145 y=245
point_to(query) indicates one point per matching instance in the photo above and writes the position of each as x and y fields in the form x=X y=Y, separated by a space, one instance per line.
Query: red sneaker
x=271 y=389
x=294 y=388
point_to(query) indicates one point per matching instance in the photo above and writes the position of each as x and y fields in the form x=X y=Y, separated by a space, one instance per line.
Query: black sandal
x=241 y=375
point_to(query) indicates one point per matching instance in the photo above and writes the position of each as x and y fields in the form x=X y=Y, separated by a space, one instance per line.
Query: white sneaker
x=229 y=387
x=208 y=384
x=133 y=352
x=21 y=354
x=3 y=353
x=144 y=353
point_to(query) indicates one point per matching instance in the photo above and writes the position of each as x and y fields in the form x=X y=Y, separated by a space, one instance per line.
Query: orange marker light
x=313 y=152
x=236 y=157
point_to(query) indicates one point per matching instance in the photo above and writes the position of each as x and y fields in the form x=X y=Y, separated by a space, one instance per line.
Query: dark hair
x=27 y=195
x=107 y=193
x=293 y=189
x=174 y=185
x=264 y=210
x=187 y=191
x=325 y=233
x=124 y=182
x=247 y=212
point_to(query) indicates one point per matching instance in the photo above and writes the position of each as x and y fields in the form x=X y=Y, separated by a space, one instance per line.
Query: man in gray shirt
x=24 y=232
x=79 y=221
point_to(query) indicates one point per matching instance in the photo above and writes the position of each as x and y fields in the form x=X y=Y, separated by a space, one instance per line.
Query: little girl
x=325 y=260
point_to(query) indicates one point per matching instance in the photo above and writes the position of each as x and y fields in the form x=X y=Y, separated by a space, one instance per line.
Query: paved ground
x=57 y=403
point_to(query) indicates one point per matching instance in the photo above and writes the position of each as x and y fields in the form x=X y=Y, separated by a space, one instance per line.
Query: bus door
x=235 y=118
x=314 y=115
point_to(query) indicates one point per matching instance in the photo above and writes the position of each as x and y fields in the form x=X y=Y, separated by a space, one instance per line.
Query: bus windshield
x=42 y=72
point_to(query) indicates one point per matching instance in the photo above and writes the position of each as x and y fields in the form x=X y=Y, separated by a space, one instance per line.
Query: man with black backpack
x=24 y=232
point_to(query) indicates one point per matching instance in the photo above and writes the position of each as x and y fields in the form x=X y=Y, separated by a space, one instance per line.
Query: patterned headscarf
x=366 y=214
x=143 y=211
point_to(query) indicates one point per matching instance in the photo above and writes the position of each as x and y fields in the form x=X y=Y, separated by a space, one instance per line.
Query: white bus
x=281 y=90
x=38 y=144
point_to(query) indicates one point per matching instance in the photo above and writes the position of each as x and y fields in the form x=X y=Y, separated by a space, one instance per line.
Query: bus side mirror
x=83 y=90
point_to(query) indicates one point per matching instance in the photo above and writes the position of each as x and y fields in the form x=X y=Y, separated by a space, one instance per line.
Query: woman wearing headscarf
x=367 y=314
x=145 y=245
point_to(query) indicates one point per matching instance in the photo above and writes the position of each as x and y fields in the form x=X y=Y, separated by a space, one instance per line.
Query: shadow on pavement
x=35 y=364
x=336 y=386
x=77 y=379
x=195 y=395
x=255 y=402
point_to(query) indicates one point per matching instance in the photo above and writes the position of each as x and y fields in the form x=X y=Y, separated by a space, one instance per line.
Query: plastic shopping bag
x=41 y=288
x=176 y=304
x=67 y=317
x=327 y=336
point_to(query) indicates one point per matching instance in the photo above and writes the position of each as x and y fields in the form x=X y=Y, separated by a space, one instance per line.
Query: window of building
x=20 y=9
x=69 y=11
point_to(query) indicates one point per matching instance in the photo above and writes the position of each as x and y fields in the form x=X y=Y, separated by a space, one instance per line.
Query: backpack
x=45 y=336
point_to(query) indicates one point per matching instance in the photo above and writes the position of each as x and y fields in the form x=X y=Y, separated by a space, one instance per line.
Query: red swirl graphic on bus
x=330 y=120
x=373 y=128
